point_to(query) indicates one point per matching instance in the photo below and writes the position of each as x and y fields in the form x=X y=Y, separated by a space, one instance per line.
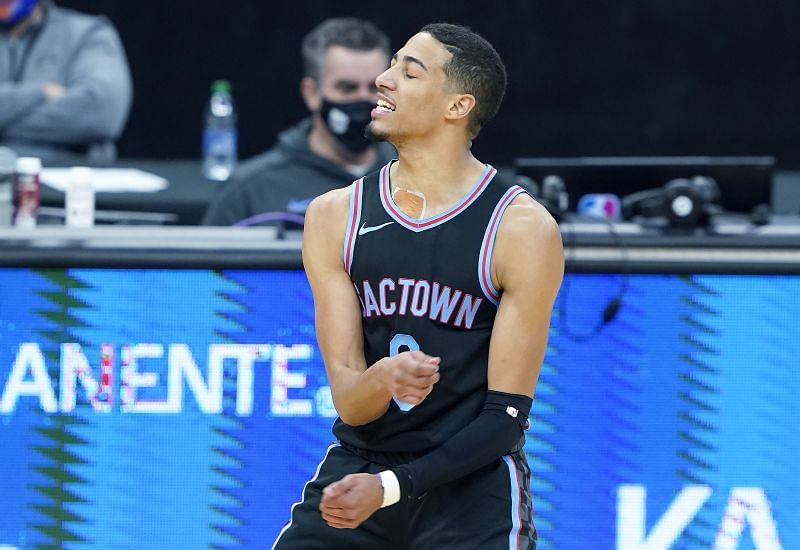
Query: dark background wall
x=624 y=77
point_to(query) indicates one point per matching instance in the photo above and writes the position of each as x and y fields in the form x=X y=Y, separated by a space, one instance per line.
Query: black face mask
x=347 y=121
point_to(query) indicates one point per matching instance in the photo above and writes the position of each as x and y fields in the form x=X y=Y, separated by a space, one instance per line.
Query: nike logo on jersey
x=363 y=230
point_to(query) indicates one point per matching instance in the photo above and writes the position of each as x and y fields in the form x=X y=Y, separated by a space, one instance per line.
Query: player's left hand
x=347 y=503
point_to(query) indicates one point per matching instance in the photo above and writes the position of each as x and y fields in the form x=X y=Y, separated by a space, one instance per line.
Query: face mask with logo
x=347 y=121
x=14 y=11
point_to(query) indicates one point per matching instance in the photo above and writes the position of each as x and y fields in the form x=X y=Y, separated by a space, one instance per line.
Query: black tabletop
x=186 y=196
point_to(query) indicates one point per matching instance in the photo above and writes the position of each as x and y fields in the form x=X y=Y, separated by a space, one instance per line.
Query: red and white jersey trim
x=421 y=225
x=487 y=246
x=354 y=216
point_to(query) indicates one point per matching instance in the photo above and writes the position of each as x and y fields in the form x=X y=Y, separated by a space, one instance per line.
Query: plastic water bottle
x=220 y=138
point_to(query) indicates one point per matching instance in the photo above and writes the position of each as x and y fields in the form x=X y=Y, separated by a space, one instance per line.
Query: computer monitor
x=744 y=182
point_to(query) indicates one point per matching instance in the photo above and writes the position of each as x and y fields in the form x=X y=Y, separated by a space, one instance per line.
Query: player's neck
x=442 y=175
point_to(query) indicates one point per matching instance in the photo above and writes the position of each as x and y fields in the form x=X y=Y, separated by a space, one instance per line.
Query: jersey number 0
x=397 y=342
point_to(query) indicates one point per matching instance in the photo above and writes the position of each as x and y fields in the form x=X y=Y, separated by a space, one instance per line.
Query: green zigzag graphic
x=229 y=481
x=62 y=450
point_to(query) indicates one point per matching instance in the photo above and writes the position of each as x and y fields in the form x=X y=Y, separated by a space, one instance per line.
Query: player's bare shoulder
x=527 y=221
x=324 y=230
x=528 y=240
x=330 y=208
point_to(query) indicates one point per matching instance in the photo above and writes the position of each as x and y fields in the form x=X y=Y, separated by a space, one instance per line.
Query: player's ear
x=309 y=89
x=460 y=106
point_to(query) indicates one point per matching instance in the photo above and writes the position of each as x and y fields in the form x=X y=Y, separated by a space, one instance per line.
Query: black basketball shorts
x=489 y=509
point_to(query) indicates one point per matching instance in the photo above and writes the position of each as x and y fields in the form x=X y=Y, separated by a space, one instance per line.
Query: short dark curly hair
x=475 y=68
x=348 y=32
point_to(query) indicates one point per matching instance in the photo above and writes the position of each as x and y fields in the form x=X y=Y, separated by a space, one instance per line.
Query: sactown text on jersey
x=420 y=298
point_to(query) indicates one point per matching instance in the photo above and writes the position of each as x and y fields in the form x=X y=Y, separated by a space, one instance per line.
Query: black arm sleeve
x=492 y=434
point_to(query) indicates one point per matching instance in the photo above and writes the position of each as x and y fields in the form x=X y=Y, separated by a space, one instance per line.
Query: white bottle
x=6 y=199
x=79 y=199
x=220 y=138
x=8 y=165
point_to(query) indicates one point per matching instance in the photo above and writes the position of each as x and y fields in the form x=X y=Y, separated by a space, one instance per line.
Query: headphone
x=683 y=202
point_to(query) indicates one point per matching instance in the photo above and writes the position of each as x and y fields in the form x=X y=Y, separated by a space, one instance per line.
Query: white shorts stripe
x=303 y=495
x=516 y=510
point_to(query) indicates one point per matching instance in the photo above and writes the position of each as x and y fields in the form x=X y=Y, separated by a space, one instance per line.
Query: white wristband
x=391 y=488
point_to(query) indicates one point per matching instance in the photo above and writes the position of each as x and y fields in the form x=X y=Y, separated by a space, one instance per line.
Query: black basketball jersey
x=425 y=284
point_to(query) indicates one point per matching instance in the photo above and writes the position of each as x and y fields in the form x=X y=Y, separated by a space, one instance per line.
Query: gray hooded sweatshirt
x=282 y=181
x=84 y=54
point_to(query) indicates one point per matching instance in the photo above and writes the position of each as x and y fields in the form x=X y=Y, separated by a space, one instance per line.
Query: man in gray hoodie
x=342 y=57
x=65 y=85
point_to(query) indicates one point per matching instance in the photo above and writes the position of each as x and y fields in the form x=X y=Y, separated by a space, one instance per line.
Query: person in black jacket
x=342 y=57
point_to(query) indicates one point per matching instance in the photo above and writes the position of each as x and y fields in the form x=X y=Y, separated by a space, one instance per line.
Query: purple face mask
x=14 y=11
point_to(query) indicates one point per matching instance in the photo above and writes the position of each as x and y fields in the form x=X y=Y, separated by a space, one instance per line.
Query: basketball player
x=433 y=284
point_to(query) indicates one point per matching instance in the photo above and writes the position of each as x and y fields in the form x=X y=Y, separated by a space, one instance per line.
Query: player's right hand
x=410 y=375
